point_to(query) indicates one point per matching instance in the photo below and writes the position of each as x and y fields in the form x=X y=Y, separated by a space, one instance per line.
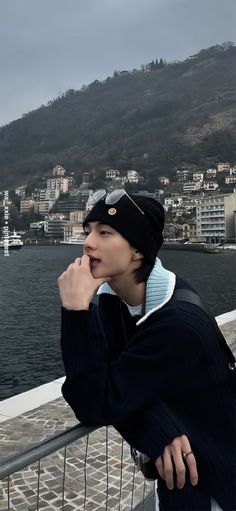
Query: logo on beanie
x=112 y=211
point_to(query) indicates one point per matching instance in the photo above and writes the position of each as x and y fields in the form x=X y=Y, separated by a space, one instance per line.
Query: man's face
x=110 y=254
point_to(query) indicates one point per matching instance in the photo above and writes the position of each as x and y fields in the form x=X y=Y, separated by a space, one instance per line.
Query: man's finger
x=160 y=467
x=85 y=260
x=179 y=467
x=192 y=466
x=189 y=459
x=168 y=469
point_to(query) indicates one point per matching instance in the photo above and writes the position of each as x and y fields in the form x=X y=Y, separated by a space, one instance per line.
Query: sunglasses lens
x=114 y=197
x=97 y=196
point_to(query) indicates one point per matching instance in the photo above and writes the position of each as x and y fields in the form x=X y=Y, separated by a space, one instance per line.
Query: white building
x=211 y=186
x=77 y=216
x=133 y=176
x=58 y=183
x=43 y=206
x=26 y=205
x=49 y=194
x=198 y=176
x=72 y=229
x=164 y=180
x=192 y=186
x=182 y=175
x=216 y=218
x=230 y=179
x=58 y=170
x=211 y=173
x=38 y=225
x=112 y=173
x=20 y=191
x=223 y=167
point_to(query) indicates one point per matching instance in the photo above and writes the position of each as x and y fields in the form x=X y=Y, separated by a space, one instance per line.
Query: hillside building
x=211 y=186
x=77 y=216
x=192 y=186
x=58 y=171
x=112 y=173
x=198 y=176
x=211 y=173
x=223 y=167
x=164 y=180
x=58 y=183
x=26 y=205
x=182 y=175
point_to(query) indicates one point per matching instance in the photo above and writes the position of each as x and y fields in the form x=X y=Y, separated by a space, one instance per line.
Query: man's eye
x=104 y=232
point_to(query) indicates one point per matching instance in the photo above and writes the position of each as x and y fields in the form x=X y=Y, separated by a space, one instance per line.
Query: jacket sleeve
x=152 y=431
x=154 y=366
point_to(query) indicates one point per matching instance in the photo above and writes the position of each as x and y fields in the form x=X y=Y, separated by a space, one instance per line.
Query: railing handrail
x=29 y=456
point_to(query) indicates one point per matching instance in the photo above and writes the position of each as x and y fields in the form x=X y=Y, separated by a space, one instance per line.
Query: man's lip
x=94 y=259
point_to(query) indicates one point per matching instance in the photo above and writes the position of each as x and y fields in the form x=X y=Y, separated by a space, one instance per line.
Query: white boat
x=74 y=240
x=13 y=241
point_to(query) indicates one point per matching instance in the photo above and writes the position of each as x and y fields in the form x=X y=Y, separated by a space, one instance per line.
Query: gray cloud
x=52 y=45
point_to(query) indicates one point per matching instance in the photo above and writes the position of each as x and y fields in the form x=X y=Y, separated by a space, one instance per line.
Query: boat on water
x=74 y=240
x=210 y=248
x=13 y=241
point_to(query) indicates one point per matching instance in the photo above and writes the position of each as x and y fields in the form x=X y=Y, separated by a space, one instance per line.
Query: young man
x=163 y=379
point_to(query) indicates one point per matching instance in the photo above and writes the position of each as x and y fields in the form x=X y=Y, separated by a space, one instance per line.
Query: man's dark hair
x=142 y=273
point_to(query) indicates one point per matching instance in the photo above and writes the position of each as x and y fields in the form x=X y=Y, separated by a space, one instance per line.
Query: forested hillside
x=157 y=118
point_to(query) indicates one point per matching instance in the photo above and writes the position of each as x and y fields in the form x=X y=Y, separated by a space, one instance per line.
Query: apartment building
x=26 y=205
x=215 y=217
x=58 y=183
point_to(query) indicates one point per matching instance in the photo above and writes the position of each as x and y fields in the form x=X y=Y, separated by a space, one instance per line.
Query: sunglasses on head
x=111 y=198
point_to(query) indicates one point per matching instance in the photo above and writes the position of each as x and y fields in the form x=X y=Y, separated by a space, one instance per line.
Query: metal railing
x=83 y=468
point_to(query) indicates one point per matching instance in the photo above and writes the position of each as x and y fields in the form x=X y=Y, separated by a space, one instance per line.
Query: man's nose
x=90 y=240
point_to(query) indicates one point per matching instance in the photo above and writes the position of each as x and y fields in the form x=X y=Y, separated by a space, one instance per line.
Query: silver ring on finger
x=186 y=454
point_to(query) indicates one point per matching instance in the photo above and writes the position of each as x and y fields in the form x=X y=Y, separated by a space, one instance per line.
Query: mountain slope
x=183 y=113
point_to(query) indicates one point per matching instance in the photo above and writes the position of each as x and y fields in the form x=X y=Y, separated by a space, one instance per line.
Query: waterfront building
x=38 y=225
x=73 y=230
x=215 y=217
x=189 y=231
x=26 y=205
x=55 y=229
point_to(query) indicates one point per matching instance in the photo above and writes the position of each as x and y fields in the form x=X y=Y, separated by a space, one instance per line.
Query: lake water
x=30 y=306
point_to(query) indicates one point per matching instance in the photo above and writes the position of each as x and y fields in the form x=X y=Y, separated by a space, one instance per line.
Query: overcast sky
x=49 y=46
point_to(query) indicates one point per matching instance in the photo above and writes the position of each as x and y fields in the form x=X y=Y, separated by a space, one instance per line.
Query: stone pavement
x=103 y=489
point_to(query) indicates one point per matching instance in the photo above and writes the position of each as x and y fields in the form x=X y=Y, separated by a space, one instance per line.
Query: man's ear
x=138 y=255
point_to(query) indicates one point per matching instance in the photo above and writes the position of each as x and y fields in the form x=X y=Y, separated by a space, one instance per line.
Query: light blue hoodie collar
x=159 y=289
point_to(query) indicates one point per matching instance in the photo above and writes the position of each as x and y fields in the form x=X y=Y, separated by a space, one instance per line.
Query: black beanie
x=143 y=231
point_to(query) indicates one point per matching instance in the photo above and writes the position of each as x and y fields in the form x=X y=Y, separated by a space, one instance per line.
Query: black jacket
x=162 y=377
